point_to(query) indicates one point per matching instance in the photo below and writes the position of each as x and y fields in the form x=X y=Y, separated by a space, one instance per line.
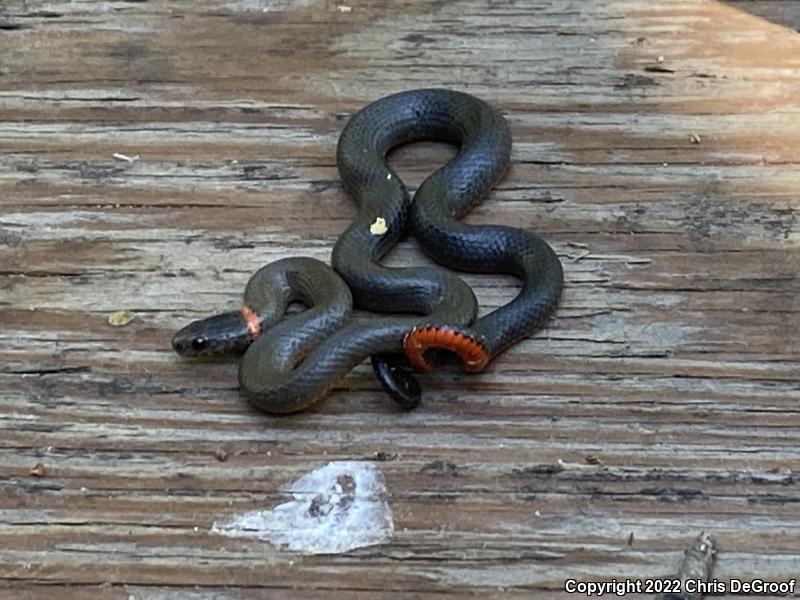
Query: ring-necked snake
x=291 y=361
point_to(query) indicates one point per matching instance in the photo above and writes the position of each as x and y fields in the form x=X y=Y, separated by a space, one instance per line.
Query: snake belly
x=291 y=362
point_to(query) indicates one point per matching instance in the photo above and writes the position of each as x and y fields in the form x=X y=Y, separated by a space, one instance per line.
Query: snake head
x=226 y=333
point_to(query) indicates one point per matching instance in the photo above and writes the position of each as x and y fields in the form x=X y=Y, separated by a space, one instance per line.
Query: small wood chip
x=343 y=8
x=221 y=455
x=120 y=318
x=577 y=245
x=378 y=227
x=582 y=255
x=125 y=157
x=593 y=459
x=696 y=566
x=38 y=470
x=384 y=456
x=694 y=138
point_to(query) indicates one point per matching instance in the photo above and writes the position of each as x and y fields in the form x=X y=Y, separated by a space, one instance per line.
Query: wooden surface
x=662 y=401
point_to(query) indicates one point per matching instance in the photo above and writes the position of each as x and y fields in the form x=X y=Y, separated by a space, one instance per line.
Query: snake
x=404 y=318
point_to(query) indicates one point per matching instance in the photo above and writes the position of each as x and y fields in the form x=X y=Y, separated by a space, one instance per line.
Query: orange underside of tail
x=471 y=352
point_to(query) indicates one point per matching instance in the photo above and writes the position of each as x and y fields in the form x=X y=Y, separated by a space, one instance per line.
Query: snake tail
x=419 y=340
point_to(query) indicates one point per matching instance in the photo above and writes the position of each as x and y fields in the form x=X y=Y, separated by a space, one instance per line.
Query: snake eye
x=199 y=343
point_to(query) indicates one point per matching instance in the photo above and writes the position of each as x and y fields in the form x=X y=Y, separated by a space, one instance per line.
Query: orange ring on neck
x=251 y=320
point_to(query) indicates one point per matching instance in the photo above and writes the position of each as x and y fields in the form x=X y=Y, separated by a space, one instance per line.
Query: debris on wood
x=38 y=470
x=120 y=318
x=344 y=8
x=593 y=459
x=125 y=157
x=694 y=138
x=581 y=256
x=378 y=227
x=696 y=566
x=384 y=456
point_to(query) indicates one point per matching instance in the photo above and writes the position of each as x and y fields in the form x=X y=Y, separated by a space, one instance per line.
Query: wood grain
x=662 y=401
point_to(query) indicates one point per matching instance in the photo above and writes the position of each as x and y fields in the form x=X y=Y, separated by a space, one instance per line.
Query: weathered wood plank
x=660 y=402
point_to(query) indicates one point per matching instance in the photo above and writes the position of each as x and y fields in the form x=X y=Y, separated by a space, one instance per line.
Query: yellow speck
x=120 y=318
x=694 y=138
x=343 y=8
x=378 y=227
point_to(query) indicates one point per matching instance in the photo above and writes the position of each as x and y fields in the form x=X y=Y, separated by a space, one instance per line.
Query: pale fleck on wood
x=663 y=400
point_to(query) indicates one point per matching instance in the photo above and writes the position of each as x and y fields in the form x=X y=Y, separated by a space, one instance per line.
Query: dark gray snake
x=292 y=361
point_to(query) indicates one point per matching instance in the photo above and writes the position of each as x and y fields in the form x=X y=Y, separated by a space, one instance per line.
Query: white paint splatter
x=336 y=508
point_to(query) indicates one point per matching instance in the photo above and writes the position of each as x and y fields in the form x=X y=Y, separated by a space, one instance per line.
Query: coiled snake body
x=291 y=361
